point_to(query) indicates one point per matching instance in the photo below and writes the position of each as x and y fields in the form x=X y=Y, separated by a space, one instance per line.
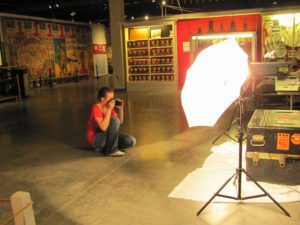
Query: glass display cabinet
x=247 y=41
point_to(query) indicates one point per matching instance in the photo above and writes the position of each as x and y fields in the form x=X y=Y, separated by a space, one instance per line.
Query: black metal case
x=274 y=131
x=273 y=146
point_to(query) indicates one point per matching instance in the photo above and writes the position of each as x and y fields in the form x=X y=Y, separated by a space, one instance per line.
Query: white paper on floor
x=202 y=183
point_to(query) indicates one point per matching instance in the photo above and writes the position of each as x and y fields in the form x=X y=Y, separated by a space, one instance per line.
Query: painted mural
x=63 y=49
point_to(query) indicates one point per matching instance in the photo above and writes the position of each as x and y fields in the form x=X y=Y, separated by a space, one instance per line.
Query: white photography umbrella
x=213 y=82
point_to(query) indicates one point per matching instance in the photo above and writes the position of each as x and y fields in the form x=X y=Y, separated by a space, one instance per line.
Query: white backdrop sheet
x=202 y=183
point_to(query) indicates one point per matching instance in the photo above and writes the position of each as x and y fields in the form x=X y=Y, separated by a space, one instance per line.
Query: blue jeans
x=112 y=139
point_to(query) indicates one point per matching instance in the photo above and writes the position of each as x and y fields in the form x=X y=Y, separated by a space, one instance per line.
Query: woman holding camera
x=104 y=123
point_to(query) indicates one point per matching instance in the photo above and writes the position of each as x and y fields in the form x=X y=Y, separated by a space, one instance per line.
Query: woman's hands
x=120 y=107
x=111 y=104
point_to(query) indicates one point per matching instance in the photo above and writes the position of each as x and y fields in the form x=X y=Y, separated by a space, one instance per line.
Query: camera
x=118 y=103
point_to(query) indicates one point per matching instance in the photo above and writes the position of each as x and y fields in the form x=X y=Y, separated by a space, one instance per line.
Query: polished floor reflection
x=43 y=151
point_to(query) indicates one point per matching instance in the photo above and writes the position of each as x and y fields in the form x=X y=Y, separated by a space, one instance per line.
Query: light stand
x=240 y=171
x=243 y=90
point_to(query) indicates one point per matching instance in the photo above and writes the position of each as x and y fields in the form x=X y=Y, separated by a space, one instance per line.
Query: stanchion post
x=50 y=78
x=76 y=76
x=97 y=72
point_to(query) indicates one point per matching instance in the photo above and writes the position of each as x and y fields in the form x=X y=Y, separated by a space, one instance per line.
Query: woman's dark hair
x=103 y=91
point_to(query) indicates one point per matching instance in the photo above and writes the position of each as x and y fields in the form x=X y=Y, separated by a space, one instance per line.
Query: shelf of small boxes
x=138 y=60
x=160 y=56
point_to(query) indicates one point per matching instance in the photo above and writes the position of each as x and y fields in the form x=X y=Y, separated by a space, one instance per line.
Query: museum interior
x=149 y=112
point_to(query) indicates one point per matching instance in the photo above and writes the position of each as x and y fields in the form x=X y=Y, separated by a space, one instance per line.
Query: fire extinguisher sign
x=283 y=141
x=295 y=139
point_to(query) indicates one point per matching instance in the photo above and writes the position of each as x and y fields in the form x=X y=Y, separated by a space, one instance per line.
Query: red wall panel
x=187 y=28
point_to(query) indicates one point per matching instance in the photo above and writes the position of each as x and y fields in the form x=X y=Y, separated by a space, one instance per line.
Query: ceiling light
x=50 y=7
x=57 y=5
x=164 y=2
x=132 y=18
x=146 y=17
x=286 y=20
x=153 y=1
x=274 y=3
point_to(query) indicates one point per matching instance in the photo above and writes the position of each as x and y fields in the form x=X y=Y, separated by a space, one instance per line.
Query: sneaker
x=117 y=154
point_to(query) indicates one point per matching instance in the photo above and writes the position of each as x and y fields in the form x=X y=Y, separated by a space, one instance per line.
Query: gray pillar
x=116 y=11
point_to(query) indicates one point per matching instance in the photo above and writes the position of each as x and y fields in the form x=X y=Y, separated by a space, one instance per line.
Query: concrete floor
x=43 y=151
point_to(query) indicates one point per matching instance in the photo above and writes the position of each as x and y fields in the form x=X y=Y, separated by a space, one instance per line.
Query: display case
x=12 y=83
x=150 y=57
x=247 y=41
x=281 y=38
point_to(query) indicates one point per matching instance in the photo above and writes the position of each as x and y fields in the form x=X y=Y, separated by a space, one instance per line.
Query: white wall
x=99 y=37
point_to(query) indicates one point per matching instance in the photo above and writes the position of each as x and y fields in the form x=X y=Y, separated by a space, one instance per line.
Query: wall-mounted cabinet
x=150 y=58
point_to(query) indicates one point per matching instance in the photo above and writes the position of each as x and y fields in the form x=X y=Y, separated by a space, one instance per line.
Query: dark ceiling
x=98 y=11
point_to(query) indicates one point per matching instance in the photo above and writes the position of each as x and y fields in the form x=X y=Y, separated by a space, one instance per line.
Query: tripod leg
x=215 y=195
x=263 y=190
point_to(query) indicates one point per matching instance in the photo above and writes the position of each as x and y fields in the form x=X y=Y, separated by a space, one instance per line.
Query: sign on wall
x=99 y=49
